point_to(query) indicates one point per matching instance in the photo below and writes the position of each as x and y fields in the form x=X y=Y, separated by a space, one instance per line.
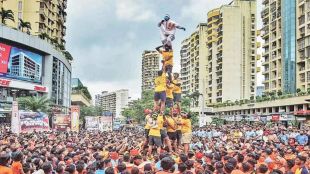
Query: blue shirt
x=100 y=172
x=302 y=139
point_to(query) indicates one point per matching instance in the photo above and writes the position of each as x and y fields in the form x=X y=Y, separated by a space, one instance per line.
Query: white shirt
x=169 y=27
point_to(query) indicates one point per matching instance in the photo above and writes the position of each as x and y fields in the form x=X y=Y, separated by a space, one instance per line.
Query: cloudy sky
x=107 y=37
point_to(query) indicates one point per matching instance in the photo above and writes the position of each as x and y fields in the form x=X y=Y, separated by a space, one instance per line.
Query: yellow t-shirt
x=154 y=132
x=172 y=123
x=160 y=121
x=176 y=88
x=160 y=83
x=168 y=57
x=169 y=91
x=179 y=120
x=186 y=126
x=147 y=125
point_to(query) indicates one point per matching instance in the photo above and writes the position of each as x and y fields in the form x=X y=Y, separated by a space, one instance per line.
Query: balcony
x=78 y=98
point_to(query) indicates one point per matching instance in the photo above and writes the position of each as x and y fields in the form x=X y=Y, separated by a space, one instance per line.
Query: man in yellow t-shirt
x=171 y=129
x=167 y=54
x=147 y=113
x=169 y=95
x=177 y=117
x=154 y=135
x=186 y=131
x=161 y=119
x=160 y=91
x=177 y=90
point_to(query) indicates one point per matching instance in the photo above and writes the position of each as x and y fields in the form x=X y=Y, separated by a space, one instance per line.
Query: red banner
x=5 y=83
x=5 y=51
x=275 y=117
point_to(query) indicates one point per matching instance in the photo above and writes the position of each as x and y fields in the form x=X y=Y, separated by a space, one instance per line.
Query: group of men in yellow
x=165 y=125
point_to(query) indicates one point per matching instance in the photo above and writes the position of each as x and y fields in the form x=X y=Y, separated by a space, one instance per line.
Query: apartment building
x=150 y=67
x=44 y=16
x=231 y=59
x=193 y=61
x=303 y=45
x=113 y=102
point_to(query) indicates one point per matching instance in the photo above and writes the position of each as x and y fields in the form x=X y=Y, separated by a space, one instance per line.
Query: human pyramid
x=166 y=126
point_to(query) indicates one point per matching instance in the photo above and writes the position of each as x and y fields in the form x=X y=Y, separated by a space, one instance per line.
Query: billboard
x=15 y=121
x=62 y=122
x=30 y=121
x=75 y=116
x=20 y=64
x=91 y=123
x=105 y=124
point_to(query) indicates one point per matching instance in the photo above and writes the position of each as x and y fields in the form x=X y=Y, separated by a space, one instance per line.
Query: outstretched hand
x=183 y=29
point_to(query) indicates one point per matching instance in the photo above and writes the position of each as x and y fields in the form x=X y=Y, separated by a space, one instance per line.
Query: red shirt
x=17 y=167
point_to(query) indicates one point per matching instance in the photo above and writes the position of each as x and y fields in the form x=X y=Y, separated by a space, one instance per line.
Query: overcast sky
x=107 y=37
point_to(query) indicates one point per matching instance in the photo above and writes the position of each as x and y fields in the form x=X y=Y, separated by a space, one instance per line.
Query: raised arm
x=181 y=28
x=158 y=49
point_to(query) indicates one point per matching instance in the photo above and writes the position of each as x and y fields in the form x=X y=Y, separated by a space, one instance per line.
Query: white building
x=113 y=102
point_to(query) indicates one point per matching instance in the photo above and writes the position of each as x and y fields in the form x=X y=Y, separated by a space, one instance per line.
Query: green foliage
x=35 y=104
x=68 y=55
x=135 y=110
x=280 y=93
x=298 y=90
x=6 y=15
x=44 y=36
x=90 y=111
x=84 y=90
x=24 y=24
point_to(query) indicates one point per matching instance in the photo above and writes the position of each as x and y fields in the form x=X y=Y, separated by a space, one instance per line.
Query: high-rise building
x=303 y=45
x=232 y=52
x=279 y=34
x=193 y=61
x=44 y=16
x=113 y=102
x=150 y=67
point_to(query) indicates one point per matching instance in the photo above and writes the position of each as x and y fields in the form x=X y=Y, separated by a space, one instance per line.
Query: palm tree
x=35 y=104
x=24 y=24
x=6 y=15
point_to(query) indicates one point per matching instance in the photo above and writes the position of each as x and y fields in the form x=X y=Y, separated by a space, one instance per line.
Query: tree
x=280 y=93
x=35 y=104
x=195 y=96
x=298 y=90
x=24 y=24
x=6 y=15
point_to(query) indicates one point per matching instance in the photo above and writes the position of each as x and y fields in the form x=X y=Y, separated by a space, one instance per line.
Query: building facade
x=150 y=67
x=80 y=95
x=32 y=67
x=113 y=102
x=193 y=62
x=44 y=16
x=303 y=45
x=279 y=34
x=231 y=58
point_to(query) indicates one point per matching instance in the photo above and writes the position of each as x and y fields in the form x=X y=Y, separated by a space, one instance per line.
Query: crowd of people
x=225 y=149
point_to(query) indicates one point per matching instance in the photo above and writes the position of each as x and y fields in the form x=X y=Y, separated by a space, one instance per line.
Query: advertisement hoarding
x=62 y=122
x=15 y=121
x=75 y=116
x=105 y=124
x=20 y=64
x=30 y=121
x=91 y=123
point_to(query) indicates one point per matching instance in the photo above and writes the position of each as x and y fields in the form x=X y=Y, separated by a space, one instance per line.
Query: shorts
x=168 y=69
x=155 y=141
x=179 y=135
x=163 y=133
x=169 y=102
x=172 y=135
x=186 y=138
x=146 y=133
x=176 y=97
x=160 y=96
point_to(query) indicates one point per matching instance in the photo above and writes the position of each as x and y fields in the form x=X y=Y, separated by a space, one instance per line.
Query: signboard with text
x=33 y=121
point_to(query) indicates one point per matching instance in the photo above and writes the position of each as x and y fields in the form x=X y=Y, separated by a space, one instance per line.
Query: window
x=20 y=5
